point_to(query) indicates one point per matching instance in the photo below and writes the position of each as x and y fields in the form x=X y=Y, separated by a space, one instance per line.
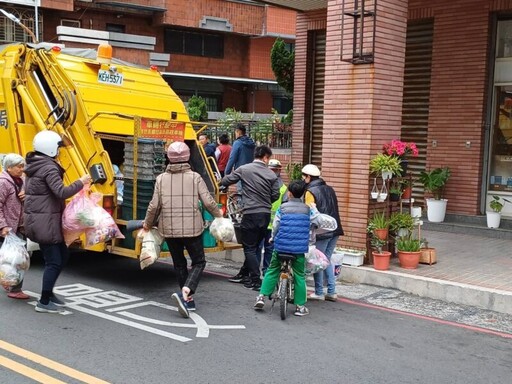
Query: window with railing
x=11 y=32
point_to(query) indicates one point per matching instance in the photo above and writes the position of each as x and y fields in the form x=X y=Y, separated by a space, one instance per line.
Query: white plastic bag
x=14 y=260
x=32 y=246
x=151 y=244
x=316 y=261
x=222 y=229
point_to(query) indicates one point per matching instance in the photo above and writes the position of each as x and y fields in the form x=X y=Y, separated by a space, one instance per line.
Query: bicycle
x=233 y=206
x=285 y=286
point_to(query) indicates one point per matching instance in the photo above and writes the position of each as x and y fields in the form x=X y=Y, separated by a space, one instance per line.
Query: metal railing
x=275 y=135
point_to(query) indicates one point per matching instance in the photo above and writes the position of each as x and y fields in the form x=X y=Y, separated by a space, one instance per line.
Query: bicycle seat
x=286 y=256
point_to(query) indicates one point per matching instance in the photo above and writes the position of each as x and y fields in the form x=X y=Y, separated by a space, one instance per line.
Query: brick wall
x=458 y=96
x=245 y=18
x=280 y=21
x=362 y=107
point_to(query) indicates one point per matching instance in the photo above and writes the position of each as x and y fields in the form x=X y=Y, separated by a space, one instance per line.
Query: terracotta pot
x=409 y=260
x=381 y=233
x=381 y=260
x=406 y=194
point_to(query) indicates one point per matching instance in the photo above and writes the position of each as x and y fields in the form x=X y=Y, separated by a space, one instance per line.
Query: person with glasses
x=324 y=197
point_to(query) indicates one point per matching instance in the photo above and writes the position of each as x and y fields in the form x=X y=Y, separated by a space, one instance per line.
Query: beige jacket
x=175 y=202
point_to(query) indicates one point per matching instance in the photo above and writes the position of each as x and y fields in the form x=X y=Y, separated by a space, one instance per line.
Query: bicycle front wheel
x=283 y=297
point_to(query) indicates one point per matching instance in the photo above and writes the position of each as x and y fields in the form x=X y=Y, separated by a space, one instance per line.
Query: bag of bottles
x=14 y=260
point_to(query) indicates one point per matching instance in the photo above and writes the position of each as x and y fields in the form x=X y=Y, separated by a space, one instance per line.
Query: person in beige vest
x=175 y=209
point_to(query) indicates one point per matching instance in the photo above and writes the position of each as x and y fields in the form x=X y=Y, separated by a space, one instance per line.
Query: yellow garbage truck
x=115 y=119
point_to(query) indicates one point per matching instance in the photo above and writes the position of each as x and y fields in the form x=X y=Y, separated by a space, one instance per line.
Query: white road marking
x=79 y=297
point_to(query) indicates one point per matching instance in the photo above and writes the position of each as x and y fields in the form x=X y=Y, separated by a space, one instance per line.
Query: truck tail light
x=108 y=204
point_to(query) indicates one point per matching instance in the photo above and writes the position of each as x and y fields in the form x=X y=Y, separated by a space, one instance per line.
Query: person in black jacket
x=45 y=196
x=318 y=192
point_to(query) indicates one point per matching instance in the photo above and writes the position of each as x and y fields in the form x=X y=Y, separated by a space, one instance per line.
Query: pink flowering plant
x=400 y=149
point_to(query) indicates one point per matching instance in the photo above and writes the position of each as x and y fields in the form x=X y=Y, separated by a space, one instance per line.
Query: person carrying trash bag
x=174 y=208
x=45 y=195
x=12 y=194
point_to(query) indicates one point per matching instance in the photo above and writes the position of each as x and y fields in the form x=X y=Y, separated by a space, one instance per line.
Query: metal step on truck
x=108 y=112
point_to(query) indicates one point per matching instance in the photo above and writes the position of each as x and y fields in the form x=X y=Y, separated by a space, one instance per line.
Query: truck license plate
x=107 y=77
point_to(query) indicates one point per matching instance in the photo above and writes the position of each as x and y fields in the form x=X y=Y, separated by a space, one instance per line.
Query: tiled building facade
x=225 y=52
x=467 y=109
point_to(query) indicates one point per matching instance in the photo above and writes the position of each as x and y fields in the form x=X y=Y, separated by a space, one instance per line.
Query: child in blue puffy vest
x=291 y=234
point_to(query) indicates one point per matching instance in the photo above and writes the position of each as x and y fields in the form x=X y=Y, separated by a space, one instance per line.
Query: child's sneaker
x=180 y=303
x=260 y=302
x=301 y=310
x=314 y=296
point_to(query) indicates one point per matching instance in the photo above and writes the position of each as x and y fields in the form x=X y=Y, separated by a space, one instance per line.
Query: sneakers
x=260 y=302
x=57 y=301
x=238 y=278
x=18 y=295
x=314 y=296
x=181 y=304
x=47 y=308
x=331 y=297
x=255 y=285
x=301 y=310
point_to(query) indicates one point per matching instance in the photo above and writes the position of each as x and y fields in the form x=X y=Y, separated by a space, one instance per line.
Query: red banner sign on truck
x=162 y=129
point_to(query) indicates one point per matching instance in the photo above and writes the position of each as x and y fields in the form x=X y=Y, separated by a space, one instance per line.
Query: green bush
x=435 y=180
x=196 y=109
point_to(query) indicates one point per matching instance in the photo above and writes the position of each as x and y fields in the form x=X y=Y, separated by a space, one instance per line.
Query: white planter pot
x=352 y=257
x=436 y=210
x=493 y=219
x=416 y=212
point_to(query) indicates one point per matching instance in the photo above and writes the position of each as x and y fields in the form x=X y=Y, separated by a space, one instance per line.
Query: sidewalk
x=470 y=270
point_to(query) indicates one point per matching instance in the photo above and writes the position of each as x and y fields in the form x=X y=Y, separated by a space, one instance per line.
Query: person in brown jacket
x=175 y=209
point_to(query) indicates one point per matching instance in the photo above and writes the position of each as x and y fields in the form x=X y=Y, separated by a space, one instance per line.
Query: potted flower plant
x=434 y=182
x=386 y=165
x=380 y=257
x=409 y=251
x=402 y=150
x=378 y=225
x=494 y=216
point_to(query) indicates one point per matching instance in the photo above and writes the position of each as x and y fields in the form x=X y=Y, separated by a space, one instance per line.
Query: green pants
x=272 y=276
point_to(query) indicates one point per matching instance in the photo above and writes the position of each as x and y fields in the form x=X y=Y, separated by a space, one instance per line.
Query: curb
x=459 y=293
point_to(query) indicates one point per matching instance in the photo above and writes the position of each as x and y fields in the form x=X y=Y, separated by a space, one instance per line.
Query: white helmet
x=274 y=163
x=311 y=170
x=47 y=142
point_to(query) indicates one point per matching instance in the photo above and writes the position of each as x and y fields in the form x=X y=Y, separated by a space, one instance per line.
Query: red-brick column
x=363 y=107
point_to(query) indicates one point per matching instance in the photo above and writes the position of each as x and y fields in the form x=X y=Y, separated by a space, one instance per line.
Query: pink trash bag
x=104 y=229
x=78 y=215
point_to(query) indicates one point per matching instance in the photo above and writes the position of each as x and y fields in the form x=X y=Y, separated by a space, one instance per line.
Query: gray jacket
x=260 y=186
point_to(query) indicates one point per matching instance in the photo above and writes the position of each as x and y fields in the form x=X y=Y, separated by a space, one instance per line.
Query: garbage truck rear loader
x=108 y=113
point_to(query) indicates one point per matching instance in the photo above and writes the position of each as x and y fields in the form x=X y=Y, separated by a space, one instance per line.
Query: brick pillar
x=362 y=107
